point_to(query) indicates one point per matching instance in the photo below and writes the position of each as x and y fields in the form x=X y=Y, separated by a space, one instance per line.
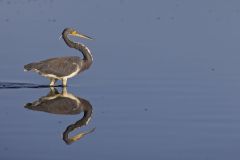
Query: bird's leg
x=64 y=82
x=64 y=91
x=53 y=91
x=52 y=82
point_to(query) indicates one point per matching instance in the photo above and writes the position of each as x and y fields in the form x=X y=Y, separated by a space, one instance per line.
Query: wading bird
x=62 y=68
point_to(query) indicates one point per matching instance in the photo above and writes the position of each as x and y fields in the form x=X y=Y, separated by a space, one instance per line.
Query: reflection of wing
x=57 y=105
x=54 y=102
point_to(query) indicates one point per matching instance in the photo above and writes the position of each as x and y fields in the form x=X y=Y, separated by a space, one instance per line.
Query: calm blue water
x=165 y=82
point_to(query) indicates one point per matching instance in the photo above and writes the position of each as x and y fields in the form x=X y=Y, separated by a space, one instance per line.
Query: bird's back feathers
x=60 y=66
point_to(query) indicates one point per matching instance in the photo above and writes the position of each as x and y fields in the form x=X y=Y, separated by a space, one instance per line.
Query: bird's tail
x=29 y=67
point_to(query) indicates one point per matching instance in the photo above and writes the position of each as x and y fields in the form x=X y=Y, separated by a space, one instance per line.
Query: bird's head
x=75 y=33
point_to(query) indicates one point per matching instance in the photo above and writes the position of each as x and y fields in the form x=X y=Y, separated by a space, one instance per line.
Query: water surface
x=164 y=83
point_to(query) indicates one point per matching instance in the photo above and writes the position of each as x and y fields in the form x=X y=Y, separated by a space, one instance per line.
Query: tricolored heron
x=62 y=68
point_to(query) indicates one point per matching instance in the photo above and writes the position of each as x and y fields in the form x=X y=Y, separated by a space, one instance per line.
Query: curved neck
x=87 y=108
x=87 y=56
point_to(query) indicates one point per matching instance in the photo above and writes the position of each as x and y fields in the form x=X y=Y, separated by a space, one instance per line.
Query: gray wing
x=59 y=105
x=60 y=66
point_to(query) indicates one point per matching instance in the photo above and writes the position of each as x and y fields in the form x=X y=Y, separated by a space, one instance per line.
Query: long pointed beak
x=83 y=36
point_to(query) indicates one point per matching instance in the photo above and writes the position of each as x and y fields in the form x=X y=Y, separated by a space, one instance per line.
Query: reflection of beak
x=78 y=136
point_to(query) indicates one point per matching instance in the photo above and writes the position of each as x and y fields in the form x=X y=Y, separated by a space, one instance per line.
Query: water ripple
x=13 y=85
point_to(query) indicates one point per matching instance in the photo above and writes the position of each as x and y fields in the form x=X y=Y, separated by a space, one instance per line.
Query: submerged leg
x=52 y=82
x=64 y=91
x=53 y=91
x=64 y=82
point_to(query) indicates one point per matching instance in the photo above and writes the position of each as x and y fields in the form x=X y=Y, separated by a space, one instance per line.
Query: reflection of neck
x=87 y=108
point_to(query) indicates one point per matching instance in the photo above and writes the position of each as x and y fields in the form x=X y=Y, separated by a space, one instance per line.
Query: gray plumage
x=62 y=68
x=60 y=103
x=67 y=104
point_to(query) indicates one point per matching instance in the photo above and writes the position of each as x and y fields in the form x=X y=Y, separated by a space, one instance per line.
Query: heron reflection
x=65 y=103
